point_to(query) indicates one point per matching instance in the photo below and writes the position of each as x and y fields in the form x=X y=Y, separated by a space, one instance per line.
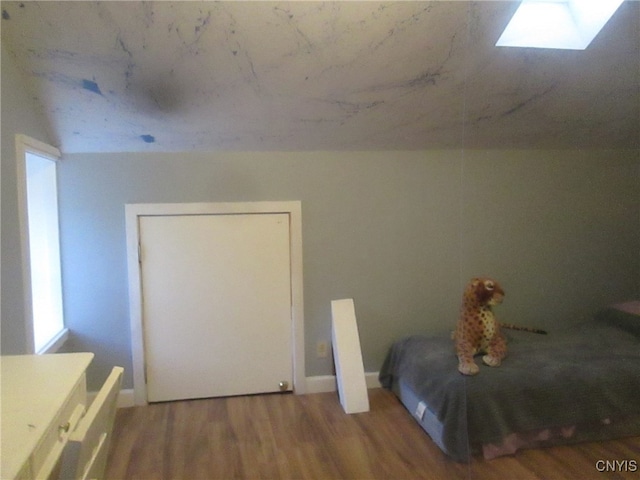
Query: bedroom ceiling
x=245 y=76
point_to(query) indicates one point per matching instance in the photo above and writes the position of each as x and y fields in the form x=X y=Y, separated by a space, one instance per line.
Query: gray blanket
x=580 y=376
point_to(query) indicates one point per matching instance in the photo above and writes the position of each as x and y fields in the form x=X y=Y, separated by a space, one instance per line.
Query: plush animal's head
x=484 y=291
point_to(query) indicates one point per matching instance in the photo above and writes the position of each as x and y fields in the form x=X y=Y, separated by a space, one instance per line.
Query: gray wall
x=19 y=115
x=400 y=232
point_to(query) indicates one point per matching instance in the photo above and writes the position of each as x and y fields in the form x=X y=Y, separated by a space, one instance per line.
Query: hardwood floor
x=310 y=437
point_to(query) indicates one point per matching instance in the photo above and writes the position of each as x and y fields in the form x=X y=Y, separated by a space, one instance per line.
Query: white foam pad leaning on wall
x=352 y=387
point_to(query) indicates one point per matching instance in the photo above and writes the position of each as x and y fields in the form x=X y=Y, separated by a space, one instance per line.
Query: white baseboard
x=321 y=383
x=125 y=398
x=328 y=383
x=315 y=384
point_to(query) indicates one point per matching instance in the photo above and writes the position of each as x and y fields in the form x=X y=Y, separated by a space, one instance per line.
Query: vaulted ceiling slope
x=207 y=76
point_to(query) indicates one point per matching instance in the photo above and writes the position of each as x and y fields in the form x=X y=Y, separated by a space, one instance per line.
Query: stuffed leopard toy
x=478 y=331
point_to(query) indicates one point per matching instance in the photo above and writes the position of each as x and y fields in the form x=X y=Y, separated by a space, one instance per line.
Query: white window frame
x=27 y=145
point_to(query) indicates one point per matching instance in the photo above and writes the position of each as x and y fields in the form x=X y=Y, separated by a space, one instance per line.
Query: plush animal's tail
x=523 y=329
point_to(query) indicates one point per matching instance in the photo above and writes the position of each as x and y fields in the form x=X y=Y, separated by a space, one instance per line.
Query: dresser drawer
x=48 y=451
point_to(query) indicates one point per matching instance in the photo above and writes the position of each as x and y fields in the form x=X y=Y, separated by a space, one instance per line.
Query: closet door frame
x=132 y=214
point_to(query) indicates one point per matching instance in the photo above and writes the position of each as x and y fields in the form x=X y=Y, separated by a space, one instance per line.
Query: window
x=38 y=196
x=563 y=24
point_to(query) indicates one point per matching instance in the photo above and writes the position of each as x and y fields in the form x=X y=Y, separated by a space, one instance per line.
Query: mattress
x=575 y=385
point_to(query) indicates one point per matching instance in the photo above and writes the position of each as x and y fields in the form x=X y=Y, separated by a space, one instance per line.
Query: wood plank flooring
x=310 y=437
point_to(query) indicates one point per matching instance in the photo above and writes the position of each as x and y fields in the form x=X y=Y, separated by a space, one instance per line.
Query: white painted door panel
x=216 y=304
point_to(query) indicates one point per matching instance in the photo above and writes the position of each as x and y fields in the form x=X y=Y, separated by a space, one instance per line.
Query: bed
x=580 y=384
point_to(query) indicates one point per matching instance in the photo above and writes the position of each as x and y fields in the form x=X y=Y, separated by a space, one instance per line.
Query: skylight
x=563 y=24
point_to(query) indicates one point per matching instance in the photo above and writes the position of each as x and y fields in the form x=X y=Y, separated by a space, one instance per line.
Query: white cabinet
x=43 y=398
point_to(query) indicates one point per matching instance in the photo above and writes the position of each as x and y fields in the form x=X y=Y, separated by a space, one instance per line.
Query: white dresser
x=43 y=397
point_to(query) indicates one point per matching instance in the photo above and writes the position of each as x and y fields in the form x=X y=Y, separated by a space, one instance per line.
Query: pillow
x=630 y=307
x=625 y=316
